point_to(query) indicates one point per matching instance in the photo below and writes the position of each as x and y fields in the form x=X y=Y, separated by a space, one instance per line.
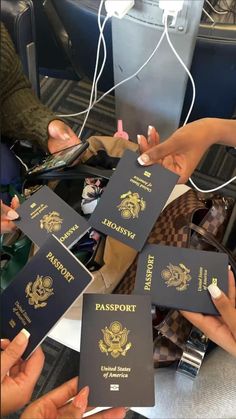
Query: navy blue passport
x=116 y=355
x=42 y=292
x=133 y=200
x=45 y=213
x=178 y=278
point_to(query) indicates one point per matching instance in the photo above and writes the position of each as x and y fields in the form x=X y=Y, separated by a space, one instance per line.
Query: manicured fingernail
x=12 y=215
x=150 y=127
x=22 y=337
x=214 y=291
x=139 y=139
x=81 y=400
x=229 y=267
x=16 y=198
x=143 y=159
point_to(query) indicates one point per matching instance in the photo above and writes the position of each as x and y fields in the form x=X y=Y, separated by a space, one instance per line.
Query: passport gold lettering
x=68 y=233
x=38 y=211
x=116 y=368
x=202 y=279
x=115 y=372
x=142 y=183
x=12 y=323
x=60 y=267
x=214 y=281
x=118 y=228
x=149 y=271
x=20 y=312
x=116 y=307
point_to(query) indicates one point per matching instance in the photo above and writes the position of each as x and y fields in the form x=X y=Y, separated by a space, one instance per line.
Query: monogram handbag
x=194 y=221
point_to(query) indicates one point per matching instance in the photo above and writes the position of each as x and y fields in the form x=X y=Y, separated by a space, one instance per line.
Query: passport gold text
x=149 y=271
x=68 y=233
x=119 y=229
x=116 y=307
x=60 y=267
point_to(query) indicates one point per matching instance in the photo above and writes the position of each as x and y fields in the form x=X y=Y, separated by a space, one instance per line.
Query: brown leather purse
x=192 y=221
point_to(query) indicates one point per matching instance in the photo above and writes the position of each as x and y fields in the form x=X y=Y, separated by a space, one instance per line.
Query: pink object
x=120 y=133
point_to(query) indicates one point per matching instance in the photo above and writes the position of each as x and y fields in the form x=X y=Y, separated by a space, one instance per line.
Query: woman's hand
x=18 y=378
x=182 y=151
x=8 y=215
x=221 y=330
x=56 y=405
x=60 y=136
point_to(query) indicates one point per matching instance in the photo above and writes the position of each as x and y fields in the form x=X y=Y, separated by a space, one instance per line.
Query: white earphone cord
x=96 y=79
x=121 y=82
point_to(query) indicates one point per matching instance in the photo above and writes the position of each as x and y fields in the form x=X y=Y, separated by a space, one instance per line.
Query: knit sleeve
x=23 y=116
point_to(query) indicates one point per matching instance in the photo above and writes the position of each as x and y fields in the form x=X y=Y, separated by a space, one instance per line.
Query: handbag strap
x=209 y=238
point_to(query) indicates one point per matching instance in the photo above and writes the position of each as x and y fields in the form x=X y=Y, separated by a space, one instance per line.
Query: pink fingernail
x=22 y=337
x=139 y=139
x=12 y=215
x=150 y=128
x=81 y=400
x=214 y=291
x=143 y=159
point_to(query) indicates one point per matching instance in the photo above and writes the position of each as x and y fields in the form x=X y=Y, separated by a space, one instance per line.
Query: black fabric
x=18 y=17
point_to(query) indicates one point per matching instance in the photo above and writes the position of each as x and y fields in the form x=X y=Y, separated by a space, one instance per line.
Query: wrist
x=223 y=131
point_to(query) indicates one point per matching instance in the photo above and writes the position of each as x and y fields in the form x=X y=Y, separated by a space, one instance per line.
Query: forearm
x=223 y=131
x=24 y=117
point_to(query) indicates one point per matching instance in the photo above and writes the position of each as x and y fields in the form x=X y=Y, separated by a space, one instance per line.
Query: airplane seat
x=18 y=17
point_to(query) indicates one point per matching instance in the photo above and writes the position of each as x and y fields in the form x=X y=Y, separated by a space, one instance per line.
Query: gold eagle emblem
x=51 y=222
x=115 y=340
x=177 y=276
x=39 y=291
x=131 y=205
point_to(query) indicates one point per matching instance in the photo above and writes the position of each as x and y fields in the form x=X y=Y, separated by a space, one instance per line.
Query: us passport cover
x=178 y=278
x=42 y=292
x=116 y=356
x=133 y=200
x=45 y=213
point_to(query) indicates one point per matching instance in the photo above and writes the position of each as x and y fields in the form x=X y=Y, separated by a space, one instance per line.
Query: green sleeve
x=22 y=115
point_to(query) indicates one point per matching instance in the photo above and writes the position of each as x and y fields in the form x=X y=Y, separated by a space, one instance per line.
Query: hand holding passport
x=178 y=278
x=42 y=292
x=133 y=200
x=116 y=343
x=45 y=213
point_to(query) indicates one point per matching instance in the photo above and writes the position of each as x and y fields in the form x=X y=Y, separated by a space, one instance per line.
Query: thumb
x=13 y=352
x=77 y=408
x=157 y=153
x=8 y=212
x=224 y=306
x=58 y=130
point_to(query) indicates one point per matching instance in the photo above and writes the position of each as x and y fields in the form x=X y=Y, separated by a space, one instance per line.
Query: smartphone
x=59 y=160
